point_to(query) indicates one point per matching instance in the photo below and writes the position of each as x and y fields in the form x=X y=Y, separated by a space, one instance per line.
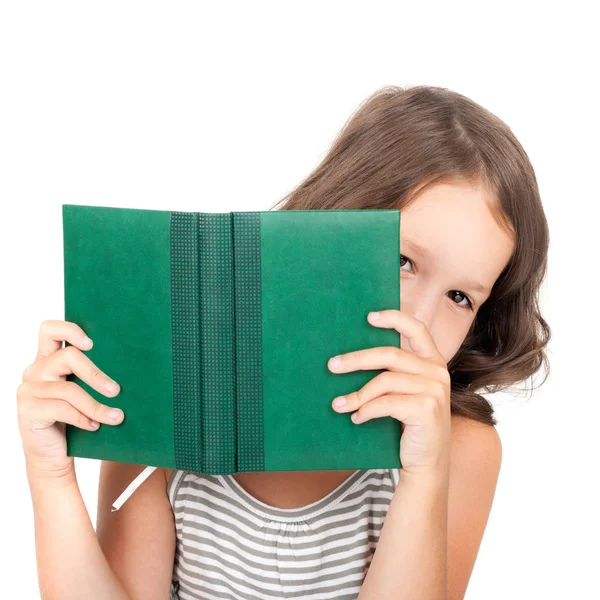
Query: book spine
x=215 y=297
x=216 y=305
x=185 y=334
x=246 y=228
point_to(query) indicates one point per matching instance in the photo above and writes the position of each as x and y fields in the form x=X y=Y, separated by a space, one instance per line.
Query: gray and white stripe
x=231 y=546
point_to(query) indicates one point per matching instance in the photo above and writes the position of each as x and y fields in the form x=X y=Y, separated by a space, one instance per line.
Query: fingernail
x=95 y=424
x=115 y=414
x=340 y=401
x=111 y=386
x=374 y=316
x=86 y=342
x=336 y=361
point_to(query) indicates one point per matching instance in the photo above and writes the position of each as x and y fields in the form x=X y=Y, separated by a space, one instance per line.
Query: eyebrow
x=426 y=253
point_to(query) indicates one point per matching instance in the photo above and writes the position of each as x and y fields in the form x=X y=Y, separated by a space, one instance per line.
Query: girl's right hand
x=46 y=401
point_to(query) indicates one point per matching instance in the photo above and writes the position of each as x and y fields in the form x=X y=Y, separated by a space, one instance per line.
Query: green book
x=218 y=328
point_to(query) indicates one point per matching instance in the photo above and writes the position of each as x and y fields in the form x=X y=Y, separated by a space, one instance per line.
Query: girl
x=474 y=245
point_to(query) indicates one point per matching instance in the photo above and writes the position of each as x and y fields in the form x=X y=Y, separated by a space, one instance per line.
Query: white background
x=227 y=106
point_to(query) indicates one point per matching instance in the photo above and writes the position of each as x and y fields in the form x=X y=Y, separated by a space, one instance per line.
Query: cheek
x=449 y=336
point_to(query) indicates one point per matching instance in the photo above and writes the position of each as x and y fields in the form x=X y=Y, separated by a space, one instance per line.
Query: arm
x=70 y=561
x=415 y=557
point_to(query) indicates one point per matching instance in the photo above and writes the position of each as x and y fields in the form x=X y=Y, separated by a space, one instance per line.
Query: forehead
x=453 y=225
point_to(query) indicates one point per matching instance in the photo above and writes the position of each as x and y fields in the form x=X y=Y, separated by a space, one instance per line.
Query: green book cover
x=218 y=328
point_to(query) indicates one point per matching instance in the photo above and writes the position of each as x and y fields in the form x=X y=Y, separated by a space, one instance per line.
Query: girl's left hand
x=415 y=390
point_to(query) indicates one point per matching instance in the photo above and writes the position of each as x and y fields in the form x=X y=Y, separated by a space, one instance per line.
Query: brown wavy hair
x=399 y=141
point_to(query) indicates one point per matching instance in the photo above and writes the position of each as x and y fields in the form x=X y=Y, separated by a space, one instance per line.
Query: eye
x=468 y=306
x=403 y=258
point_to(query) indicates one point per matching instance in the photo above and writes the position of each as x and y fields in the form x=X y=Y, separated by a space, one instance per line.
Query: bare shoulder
x=475 y=442
x=138 y=540
x=167 y=474
x=475 y=459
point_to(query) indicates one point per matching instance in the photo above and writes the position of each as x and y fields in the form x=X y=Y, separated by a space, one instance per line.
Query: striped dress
x=232 y=546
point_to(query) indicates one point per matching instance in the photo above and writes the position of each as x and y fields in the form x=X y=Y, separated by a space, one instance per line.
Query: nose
x=421 y=306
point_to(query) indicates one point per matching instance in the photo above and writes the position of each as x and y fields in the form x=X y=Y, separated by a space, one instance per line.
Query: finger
x=53 y=333
x=381 y=357
x=75 y=395
x=51 y=410
x=416 y=331
x=384 y=383
x=71 y=360
x=407 y=408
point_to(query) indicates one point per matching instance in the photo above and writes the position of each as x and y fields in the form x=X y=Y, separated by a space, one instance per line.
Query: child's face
x=464 y=245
